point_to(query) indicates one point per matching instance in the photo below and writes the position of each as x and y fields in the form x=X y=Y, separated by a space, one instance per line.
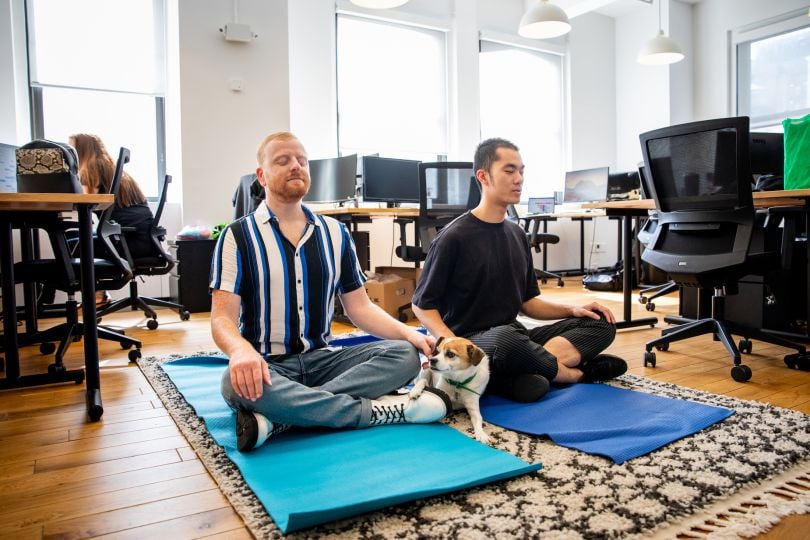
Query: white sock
x=264 y=428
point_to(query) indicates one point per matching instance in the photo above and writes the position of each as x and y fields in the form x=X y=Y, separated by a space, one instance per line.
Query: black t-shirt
x=140 y=217
x=477 y=274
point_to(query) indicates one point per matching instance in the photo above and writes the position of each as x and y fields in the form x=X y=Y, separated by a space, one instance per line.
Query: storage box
x=391 y=292
x=410 y=272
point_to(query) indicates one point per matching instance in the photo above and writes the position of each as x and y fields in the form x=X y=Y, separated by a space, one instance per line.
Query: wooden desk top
x=51 y=202
x=369 y=212
x=762 y=199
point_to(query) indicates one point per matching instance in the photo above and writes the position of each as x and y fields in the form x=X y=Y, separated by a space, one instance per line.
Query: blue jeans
x=330 y=387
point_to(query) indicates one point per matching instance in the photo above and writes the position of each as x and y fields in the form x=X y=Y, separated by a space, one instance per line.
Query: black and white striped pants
x=515 y=350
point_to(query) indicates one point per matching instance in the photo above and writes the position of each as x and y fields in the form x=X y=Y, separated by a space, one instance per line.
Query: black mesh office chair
x=447 y=189
x=537 y=240
x=156 y=263
x=707 y=235
x=62 y=273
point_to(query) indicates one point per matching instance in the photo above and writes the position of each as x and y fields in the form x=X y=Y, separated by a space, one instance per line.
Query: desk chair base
x=722 y=331
x=544 y=276
x=73 y=330
x=654 y=292
x=143 y=303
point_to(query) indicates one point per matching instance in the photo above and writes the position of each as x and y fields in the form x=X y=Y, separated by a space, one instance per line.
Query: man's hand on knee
x=249 y=372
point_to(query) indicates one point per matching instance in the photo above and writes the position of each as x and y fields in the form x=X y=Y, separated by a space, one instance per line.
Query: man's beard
x=287 y=192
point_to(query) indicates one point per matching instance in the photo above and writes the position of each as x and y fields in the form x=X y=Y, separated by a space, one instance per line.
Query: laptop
x=541 y=205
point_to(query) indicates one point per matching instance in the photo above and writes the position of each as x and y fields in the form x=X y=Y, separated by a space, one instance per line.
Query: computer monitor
x=700 y=165
x=333 y=179
x=541 y=205
x=389 y=180
x=447 y=188
x=767 y=153
x=587 y=185
x=8 y=168
x=623 y=186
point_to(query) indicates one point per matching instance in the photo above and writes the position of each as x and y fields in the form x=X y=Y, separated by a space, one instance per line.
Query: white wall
x=221 y=129
x=14 y=111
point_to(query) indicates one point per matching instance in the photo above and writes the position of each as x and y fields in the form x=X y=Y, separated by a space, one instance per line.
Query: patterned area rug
x=734 y=479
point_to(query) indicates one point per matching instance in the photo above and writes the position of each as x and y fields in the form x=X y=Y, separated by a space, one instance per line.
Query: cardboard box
x=410 y=272
x=391 y=292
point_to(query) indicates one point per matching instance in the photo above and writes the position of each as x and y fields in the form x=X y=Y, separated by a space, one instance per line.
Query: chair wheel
x=798 y=361
x=151 y=324
x=134 y=354
x=543 y=281
x=741 y=373
x=560 y=283
x=650 y=306
x=649 y=358
x=745 y=346
x=662 y=347
x=47 y=347
x=55 y=369
x=185 y=315
x=642 y=299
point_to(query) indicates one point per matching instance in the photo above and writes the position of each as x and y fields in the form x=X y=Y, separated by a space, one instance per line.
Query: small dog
x=461 y=369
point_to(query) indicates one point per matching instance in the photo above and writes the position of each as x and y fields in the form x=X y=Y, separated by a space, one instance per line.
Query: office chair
x=447 y=189
x=248 y=195
x=537 y=240
x=707 y=235
x=62 y=272
x=156 y=263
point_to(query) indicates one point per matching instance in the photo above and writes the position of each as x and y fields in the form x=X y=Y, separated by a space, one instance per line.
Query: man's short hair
x=277 y=136
x=487 y=152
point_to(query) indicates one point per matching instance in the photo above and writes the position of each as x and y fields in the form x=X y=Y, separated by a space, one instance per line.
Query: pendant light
x=544 y=21
x=660 y=50
x=379 y=4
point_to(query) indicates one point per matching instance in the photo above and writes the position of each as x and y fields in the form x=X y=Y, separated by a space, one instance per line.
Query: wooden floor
x=133 y=475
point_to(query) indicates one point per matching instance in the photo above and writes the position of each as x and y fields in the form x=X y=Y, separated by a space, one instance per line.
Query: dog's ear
x=436 y=345
x=475 y=354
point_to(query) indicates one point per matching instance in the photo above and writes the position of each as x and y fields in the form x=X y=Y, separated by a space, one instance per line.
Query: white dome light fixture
x=544 y=21
x=379 y=4
x=660 y=50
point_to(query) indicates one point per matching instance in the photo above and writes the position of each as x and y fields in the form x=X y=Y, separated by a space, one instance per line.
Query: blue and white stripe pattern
x=287 y=291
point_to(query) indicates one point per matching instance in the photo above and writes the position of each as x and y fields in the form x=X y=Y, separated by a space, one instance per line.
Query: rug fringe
x=750 y=512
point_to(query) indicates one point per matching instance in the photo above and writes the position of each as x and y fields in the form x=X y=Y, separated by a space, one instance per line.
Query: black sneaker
x=526 y=388
x=602 y=368
x=250 y=434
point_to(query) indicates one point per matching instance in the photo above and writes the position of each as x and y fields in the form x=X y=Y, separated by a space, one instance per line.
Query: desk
x=14 y=207
x=629 y=209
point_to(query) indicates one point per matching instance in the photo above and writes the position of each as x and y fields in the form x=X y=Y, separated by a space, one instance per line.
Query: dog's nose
x=433 y=361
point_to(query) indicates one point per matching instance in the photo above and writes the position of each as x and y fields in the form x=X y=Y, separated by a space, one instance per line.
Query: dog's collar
x=463 y=384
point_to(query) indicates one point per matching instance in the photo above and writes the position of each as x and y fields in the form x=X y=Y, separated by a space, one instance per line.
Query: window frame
x=768 y=28
x=417 y=23
x=35 y=91
x=544 y=47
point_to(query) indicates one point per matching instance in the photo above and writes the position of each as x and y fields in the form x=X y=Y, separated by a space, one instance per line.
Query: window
x=773 y=72
x=522 y=101
x=391 y=89
x=98 y=67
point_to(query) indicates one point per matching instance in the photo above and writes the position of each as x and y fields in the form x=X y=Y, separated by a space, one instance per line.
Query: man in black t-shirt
x=479 y=275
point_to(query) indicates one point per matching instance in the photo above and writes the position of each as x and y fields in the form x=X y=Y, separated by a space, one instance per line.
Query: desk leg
x=627 y=284
x=91 y=368
x=12 y=353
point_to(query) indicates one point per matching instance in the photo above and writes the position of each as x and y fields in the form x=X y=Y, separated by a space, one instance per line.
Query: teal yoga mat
x=604 y=420
x=311 y=477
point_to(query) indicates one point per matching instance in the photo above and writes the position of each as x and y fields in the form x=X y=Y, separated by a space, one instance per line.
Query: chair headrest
x=47 y=167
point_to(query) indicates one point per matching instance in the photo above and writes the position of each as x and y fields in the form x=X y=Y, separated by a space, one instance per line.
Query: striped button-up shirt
x=287 y=291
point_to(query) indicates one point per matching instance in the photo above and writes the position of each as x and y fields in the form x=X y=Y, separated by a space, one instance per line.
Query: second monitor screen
x=390 y=180
x=588 y=185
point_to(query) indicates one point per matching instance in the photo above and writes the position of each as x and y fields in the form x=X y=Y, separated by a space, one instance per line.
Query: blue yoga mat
x=604 y=420
x=307 y=478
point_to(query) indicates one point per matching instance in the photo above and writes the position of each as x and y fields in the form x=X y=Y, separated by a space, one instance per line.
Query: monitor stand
x=392 y=204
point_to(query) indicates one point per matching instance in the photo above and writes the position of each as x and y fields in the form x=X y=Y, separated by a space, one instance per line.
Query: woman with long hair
x=96 y=169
